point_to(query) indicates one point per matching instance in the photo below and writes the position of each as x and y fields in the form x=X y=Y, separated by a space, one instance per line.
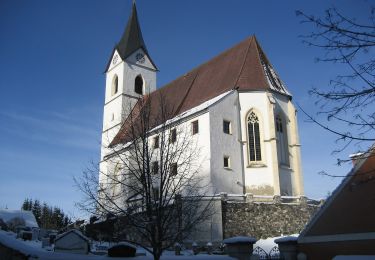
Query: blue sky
x=52 y=58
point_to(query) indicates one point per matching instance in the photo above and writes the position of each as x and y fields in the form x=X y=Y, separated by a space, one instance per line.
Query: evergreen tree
x=25 y=204
x=47 y=217
x=37 y=211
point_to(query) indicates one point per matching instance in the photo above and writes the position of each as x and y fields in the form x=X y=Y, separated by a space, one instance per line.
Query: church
x=239 y=115
x=239 y=110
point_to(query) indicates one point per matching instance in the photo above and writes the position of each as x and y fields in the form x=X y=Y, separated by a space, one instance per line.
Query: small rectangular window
x=173 y=136
x=156 y=192
x=173 y=169
x=195 y=127
x=226 y=162
x=155 y=167
x=156 y=142
x=227 y=127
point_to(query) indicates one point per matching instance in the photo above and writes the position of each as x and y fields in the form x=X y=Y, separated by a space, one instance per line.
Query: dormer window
x=138 y=85
x=114 y=85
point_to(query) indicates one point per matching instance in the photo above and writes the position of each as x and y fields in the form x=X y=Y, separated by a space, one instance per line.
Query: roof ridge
x=187 y=93
x=251 y=39
x=272 y=79
x=259 y=52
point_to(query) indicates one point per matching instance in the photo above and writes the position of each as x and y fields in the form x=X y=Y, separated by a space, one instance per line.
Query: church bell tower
x=130 y=74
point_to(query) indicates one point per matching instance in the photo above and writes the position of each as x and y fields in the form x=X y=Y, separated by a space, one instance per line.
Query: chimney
x=354 y=157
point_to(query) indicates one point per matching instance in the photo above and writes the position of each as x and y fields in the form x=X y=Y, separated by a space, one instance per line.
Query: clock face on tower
x=140 y=57
x=115 y=59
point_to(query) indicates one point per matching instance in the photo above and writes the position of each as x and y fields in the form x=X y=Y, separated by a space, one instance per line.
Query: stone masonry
x=262 y=220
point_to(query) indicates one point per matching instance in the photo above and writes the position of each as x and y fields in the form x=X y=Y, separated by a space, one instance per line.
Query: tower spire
x=132 y=38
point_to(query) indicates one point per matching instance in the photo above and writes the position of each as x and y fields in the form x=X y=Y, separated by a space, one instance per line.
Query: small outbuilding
x=345 y=225
x=72 y=241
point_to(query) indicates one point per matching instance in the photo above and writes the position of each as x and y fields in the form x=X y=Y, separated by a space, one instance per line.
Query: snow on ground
x=354 y=257
x=34 y=250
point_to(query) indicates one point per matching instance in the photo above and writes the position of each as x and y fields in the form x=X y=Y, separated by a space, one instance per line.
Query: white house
x=241 y=112
x=8 y=215
x=72 y=241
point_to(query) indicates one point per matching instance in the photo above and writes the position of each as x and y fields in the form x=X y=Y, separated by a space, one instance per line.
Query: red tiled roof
x=351 y=208
x=244 y=67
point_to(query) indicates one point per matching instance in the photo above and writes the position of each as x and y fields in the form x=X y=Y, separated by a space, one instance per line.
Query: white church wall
x=131 y=72
x=118 y=105
x=290 y=175
x=295 y=150
x=199 y=145
x=226 y=179
x=259 y=179
x=285 y=171
x=144 y=61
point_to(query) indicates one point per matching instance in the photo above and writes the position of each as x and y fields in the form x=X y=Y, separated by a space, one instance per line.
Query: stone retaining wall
x=262 y=220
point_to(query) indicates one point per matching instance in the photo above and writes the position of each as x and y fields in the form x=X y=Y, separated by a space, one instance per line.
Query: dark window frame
x=138 y=85
x=194 y=127
x=173 y=136
x=155 y=167
x=226 y=161
x=156 y=141
x=227 y=125
x=173 y=169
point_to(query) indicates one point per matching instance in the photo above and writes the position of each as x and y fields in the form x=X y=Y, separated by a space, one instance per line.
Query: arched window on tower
x=282 y=141
x=114 y=85
x=138 y=85
x=114 y=179
x=253 y=132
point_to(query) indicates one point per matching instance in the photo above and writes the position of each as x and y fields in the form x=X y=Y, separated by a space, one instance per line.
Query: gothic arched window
x=114 y=85
x=282 y=141
x=114 y=178
x=138 y=85
x=253 y=131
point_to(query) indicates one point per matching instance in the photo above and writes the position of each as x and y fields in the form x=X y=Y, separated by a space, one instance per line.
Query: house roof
x=131 y=40
x=243 y=67
x=28 y=216
x=72 y=231
x=350 y=209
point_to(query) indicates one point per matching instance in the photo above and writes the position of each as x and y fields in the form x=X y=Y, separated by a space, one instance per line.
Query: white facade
x=118 y=104
x=265 y=177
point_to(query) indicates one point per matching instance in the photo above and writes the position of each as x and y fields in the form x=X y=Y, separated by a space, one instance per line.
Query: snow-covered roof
x=239 y=240
x=75 y=231
x=28 y=216
x=354 y=257
x=287 y=239
x=123 y=243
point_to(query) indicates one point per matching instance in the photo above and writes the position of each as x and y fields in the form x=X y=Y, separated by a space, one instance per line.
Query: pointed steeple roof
x=131 y=39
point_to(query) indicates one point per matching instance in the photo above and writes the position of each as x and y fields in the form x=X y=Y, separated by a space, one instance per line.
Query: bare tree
x=349 y=101
x=153 y=181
